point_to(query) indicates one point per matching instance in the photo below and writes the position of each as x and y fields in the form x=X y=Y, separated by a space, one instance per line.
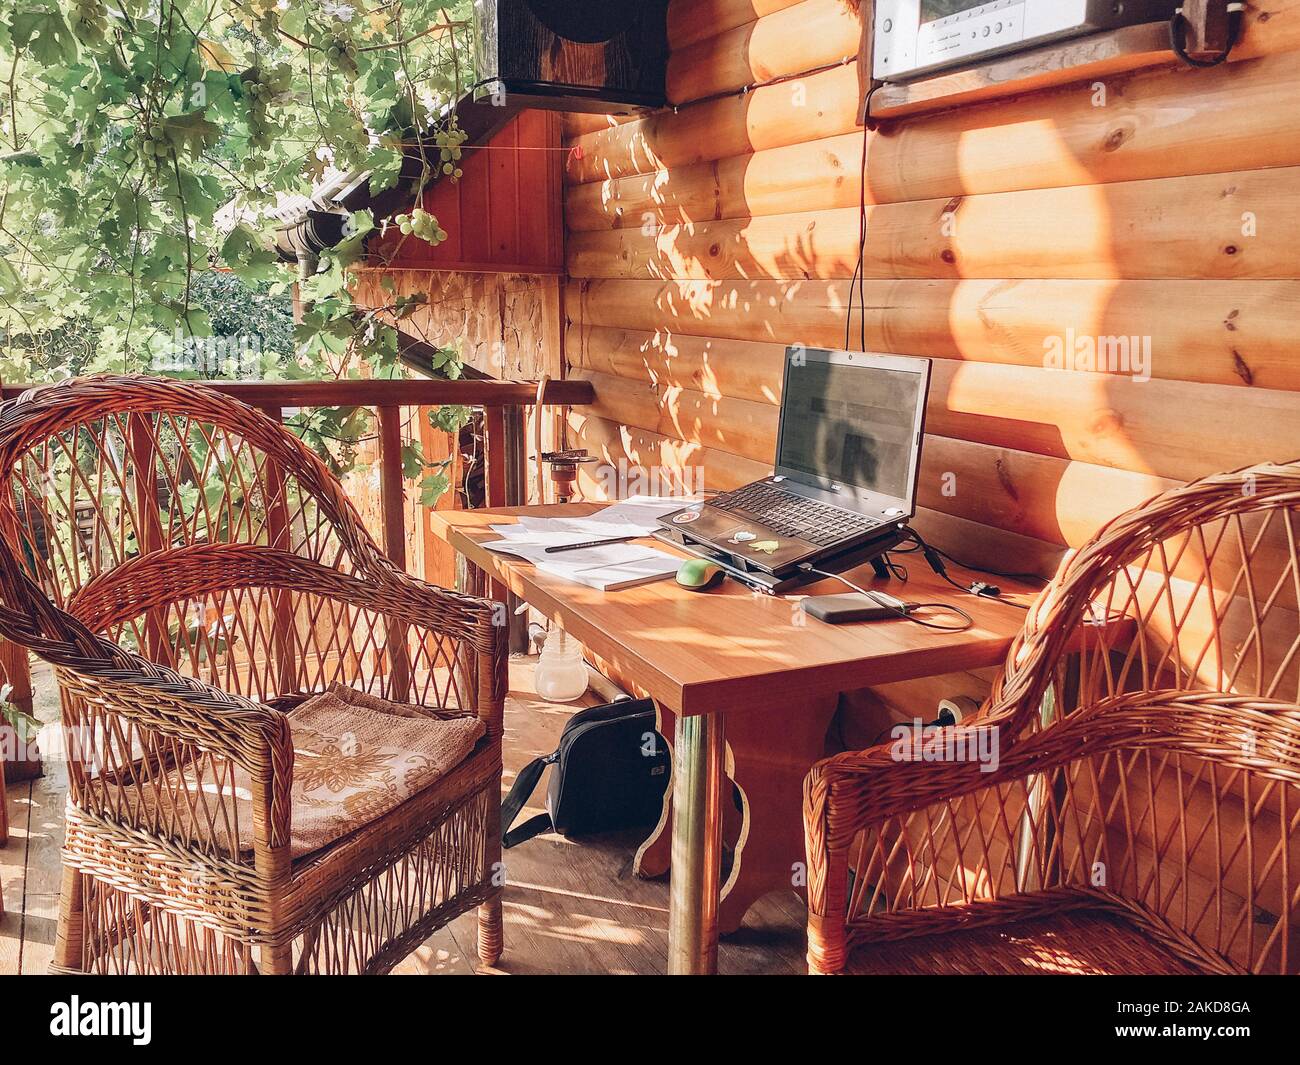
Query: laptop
x=848 y=452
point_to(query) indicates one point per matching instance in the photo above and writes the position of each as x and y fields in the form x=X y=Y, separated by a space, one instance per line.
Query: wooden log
x=1237 y=225
x=1167 y=428
x=1221 y=332
x=805 y=37
x=1171 y=429
x=827 y=104
x=718 y=423
x=1038 y=141
x=699 y=19
x=1043 y=497
x=714 y=367
x=647 y=450
x=574 y=124
x=765 y=118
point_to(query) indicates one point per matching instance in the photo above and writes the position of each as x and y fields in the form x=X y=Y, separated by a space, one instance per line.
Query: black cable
x=862 y=240
x=935 y=558
x=857 y=283
x=903 y=612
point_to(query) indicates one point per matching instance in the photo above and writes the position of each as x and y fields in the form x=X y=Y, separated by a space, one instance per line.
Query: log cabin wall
x=1162 y=205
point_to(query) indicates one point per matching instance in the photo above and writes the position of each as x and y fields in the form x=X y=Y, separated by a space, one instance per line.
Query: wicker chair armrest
x=889 y=780
x=450 y=613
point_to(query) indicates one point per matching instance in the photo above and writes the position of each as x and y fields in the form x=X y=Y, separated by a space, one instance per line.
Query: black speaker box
x=602 y=56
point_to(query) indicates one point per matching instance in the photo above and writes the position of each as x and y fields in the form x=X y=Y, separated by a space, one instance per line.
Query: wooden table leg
x=697 y=846
x=770 y=752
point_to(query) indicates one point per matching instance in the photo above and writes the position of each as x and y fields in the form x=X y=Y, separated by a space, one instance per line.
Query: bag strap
x=524 y=786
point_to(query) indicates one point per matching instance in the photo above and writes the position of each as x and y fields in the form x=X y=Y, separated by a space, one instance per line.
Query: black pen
x=591 y=543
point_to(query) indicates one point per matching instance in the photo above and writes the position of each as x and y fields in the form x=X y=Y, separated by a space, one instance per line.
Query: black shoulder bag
x=611 y=771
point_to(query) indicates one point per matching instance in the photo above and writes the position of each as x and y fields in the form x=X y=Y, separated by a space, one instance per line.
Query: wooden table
x=746 y=687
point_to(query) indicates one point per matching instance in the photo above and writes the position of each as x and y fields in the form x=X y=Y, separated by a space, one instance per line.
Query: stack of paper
x=607 y=568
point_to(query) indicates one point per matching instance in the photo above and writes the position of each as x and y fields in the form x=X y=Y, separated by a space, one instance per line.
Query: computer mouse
x=699 y=574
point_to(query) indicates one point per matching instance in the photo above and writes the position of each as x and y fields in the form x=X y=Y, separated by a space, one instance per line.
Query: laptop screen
x=853 y=424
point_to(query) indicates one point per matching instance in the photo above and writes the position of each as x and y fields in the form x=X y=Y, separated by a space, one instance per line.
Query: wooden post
x=494 y=445
x=148 y=525
x=278 y=535
x=439 y=559
x=15 y=671
x=393 y=495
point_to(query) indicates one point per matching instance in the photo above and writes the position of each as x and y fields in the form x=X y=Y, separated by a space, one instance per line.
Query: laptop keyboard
x=790 y=515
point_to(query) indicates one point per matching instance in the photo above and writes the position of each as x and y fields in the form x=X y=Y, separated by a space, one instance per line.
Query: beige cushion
x=356 y=757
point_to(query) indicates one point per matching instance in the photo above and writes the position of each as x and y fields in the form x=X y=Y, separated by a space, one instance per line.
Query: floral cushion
x=356 y=757
x=354 y=760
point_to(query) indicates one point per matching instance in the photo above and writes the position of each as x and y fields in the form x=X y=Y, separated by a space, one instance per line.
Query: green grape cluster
x=260 y=87
x=420 y=223
x=153 y=146
x=449 y=150
x=342 y=53
x=89 y=20
x=268 y=23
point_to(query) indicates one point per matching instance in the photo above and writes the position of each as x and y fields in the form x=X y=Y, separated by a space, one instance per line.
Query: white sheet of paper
x=597 y=567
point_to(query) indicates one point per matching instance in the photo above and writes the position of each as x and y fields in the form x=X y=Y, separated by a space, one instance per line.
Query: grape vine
x=144 y=143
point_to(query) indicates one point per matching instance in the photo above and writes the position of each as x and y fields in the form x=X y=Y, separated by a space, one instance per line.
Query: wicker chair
x=193 y=572
x=1154 y=827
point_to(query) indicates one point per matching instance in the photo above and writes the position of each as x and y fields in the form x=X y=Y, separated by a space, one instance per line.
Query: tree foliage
x=143 y=142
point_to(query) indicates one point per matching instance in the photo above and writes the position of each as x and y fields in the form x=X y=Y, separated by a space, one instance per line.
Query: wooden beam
x=724 y=393
x=1175 y=227
x=1225 y=332
x=1035 y=141
x=702 y=19
x=374 y=393
x=770 y=116
x=804 y=37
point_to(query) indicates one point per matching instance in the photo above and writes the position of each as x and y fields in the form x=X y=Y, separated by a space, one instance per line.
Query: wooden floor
x=569 y=908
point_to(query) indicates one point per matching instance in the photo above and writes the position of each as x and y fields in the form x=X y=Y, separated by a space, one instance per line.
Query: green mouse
x=699 y=574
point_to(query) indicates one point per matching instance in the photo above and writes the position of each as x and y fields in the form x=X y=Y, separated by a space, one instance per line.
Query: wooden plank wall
x=502 y=215
x=1163 y=204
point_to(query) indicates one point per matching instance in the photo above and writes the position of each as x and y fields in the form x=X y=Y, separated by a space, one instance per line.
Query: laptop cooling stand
x=744 y=570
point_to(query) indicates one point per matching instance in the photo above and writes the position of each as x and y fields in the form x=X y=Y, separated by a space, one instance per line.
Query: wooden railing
x=388 y=398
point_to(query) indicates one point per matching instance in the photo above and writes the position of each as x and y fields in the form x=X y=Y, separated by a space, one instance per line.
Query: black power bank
x=854 y=606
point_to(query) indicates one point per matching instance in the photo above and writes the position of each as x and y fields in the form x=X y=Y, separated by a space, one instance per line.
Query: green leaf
x=45 y=34
x=192 y=131
x=432 y=488
x=413 y=462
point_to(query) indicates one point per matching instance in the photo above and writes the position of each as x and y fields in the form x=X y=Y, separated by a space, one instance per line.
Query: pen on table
x=591 y=543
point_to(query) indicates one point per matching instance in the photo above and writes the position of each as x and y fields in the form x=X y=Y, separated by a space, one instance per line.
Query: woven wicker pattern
x=1168 y=795
x=193 y=571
